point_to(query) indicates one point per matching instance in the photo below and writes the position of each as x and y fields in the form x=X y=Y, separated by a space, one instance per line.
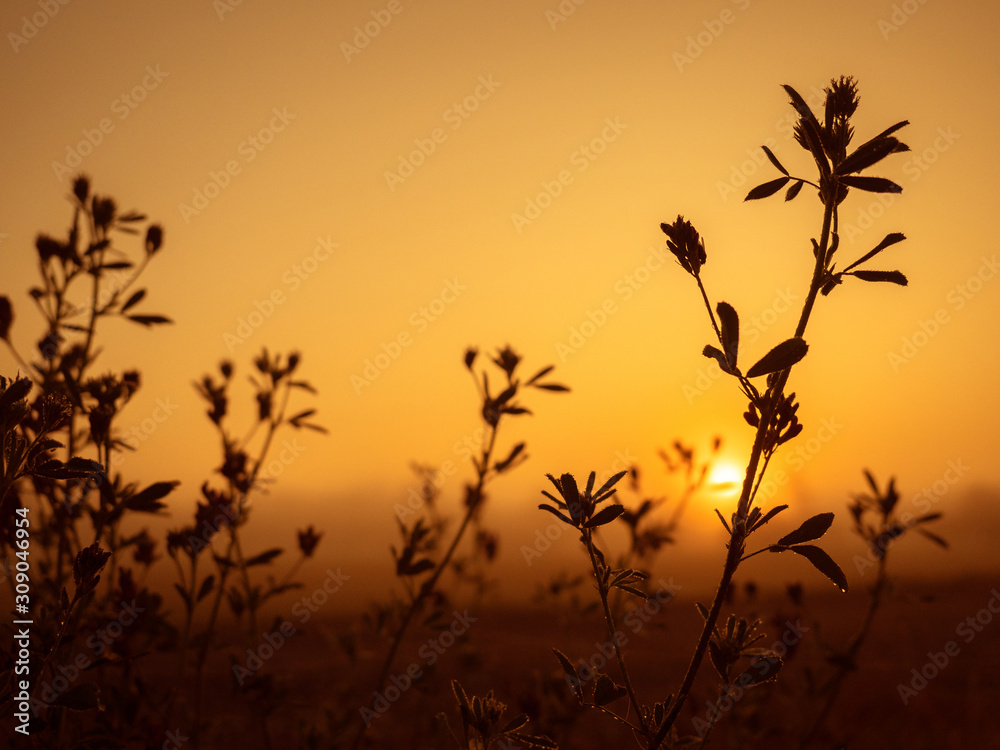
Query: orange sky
x=478 y=174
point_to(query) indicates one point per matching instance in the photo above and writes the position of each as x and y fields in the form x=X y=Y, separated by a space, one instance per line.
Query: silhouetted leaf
x=894 y=277
x=567 y=665
x=515 y=452
x=607 y=515
x=712 y=353
x=793 y=190
x=149 y=320
x=811 y=529
x=6 y=317
x=726 y=525
x=606 y=690
x=823 y=563
x=541 y=374
x=730 y=324
x=774 y=160
x=889 y=239
x=810 y=129
x=147 y=500
x=133 y=300
x=933 y=537
x=763 y=670
x=891 y=129
x=871 y=184
x=516 y=723
x=632 y=590
x=551 y=387
x=413 y=569
x=768 y=188
x=715 y=654
x=609 y=484
x=781 y=357
x=264 y=557
x=869 y=154
x=769 y=515
x=206 y=587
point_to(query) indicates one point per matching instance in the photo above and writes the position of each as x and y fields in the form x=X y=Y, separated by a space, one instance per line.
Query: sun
x=725 y=479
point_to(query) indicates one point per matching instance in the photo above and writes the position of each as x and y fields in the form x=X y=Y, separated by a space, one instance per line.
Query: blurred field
x=509 y=651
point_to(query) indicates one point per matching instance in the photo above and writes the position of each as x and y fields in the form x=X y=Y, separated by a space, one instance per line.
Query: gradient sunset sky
x=478 y=174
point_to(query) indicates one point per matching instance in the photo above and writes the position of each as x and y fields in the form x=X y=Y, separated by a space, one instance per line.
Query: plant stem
x=847 y=663
x=612 y=631
x=482 y=468
x=739 y=533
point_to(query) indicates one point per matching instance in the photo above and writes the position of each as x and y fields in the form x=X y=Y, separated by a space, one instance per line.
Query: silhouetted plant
x=222 y=513
x=88 y=697
x=415 y=566
x=877 y=521
x=772 y=412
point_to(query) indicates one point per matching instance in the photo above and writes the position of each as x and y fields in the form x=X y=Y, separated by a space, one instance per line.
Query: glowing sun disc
x=725 y=479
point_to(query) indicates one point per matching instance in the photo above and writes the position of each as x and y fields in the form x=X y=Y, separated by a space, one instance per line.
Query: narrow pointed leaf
x=891 y=129
x=823 y=563
x=766 y=189
x=206 y=588
x=149 y=320
x=133 y=300
x=781 y=357
x=775 y=161
x=934 y=537
x=868 y=154
x=632 y=590
x=812 y=528
x=566 y=664
x=871 y=184
x=541 y=374
x=606 y=515
x=610 y=483
x=893 y=277
x=552 y=387
x=516 y=723
x=889 y=239
x=793 y=190
x=730 y=323
x=561 y=516
x=810 y=129
x=147 y=500
x=726 y=525
x=264 y=558
x=769 y=515
x=762 y=670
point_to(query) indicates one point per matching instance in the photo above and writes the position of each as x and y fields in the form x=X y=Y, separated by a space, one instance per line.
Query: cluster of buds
x=686 y=244
x=782 y=421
